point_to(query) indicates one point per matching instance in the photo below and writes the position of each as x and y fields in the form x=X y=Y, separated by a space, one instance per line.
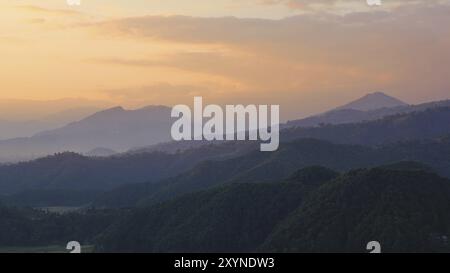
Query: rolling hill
x=394 y=138
x=71 y=171
x=405 y=210
x=261 y=167
x=227 y=219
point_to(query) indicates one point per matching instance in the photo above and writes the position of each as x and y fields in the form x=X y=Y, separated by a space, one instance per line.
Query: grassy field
x=43 y=249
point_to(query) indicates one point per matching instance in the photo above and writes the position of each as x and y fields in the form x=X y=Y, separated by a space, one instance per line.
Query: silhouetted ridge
x=373 y=101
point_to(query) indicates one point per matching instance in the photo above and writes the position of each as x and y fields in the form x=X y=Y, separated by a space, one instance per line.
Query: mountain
x=373 y=101
x=116 y=128
x=183 y=172
x=342 y=116
x=260 y=167
x=71 y=171
x=426 y=124
x=354 y=119
x=405 y=210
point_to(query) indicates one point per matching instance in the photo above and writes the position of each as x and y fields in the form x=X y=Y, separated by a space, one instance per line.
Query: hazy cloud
x=346 y=6
x=47 y=11
x=404 y=51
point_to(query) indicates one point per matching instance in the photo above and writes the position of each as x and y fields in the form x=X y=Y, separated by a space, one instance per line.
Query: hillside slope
x=405 y=210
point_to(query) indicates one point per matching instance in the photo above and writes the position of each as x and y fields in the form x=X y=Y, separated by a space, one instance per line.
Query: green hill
x=405 y=210
x=236 y=218
x=261 y=167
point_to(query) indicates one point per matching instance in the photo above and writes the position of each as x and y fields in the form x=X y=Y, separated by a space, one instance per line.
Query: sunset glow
x=305 y=57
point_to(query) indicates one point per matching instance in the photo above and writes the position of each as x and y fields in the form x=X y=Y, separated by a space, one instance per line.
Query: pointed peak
x=373 y=101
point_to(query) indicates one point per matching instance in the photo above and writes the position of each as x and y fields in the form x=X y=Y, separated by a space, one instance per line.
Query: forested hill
x=259 y=167
x=71 y=171
x=405 y=210
x=75 y=172
x=430 y=123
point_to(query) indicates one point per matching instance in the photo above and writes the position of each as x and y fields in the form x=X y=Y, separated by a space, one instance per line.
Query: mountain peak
x=113 y=110
x=373 y=101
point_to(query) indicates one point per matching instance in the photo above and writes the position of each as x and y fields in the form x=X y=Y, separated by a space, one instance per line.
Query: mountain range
x=115 y=128
x=343 y=115
x=256 y=168
x=118 y=130
x=341 y=147
x=328 y=188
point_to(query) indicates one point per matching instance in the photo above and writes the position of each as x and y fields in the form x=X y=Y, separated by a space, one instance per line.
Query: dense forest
x=404 y=206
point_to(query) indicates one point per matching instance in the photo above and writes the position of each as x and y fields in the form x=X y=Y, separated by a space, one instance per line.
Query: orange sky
x=305 y=55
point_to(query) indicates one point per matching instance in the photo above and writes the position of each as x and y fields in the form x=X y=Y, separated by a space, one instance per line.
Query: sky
x=307 y=56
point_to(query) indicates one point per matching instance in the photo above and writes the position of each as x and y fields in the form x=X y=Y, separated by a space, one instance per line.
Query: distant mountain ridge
x=120 y=130
x=354 y=116
x=373 y=101
x=25 y=128
x=115 y=128
x=76 y=172
x=369 y=107
x=425 y=124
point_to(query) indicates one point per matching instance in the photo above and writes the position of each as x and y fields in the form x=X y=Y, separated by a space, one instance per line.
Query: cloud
x=403 y=51
x=48 y=11
x=346 y=6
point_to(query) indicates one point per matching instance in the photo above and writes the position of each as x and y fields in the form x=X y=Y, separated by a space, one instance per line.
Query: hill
x=261 y=167
x=221 y=163
x=71 y=171
x=405 y=210
x=227 y=219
